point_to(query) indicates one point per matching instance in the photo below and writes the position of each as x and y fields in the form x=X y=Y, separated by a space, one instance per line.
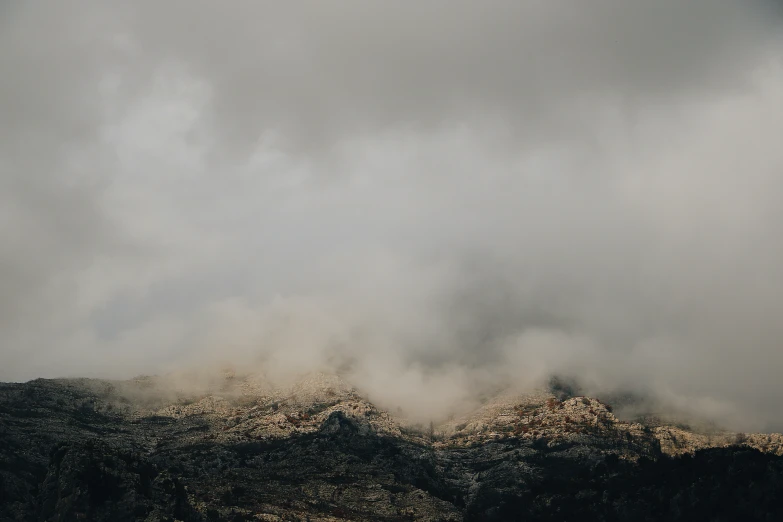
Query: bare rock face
x=318 y=450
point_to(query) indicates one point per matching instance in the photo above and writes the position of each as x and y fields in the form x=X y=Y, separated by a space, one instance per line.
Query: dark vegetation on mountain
x=68 y=454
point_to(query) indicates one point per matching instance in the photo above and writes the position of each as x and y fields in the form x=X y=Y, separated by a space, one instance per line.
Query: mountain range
x=243 y=449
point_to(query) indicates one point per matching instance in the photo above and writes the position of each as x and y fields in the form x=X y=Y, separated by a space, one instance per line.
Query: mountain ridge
x=243 y=449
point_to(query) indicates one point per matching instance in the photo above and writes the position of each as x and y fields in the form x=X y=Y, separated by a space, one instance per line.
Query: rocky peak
x=241 y=448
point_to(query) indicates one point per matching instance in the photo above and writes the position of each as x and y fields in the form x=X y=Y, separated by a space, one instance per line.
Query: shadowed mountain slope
x=318 y=450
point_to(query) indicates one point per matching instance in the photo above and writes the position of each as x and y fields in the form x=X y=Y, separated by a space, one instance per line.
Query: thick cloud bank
x=437 y=198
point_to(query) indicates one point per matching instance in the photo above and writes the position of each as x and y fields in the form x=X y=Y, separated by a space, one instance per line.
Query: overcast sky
x=433 y=196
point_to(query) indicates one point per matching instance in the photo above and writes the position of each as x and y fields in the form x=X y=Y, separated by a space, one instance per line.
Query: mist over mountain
x=438 y=201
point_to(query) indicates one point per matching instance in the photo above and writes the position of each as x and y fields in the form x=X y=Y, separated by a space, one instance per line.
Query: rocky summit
x=319 y=450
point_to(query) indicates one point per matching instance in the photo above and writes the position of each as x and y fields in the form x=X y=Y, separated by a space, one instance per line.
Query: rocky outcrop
x=94 y=450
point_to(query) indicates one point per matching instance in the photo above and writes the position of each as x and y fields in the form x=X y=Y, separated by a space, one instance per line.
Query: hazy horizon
x=435 y=199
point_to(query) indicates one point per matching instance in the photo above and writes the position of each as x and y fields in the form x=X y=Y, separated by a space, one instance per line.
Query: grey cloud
x=311 y=69
x=450 y=197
